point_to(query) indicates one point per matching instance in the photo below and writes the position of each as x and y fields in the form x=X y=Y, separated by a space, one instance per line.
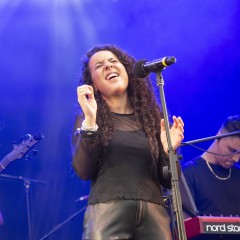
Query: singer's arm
x=85 y=152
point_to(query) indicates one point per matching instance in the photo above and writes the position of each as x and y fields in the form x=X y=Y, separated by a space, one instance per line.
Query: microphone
x=143 y=68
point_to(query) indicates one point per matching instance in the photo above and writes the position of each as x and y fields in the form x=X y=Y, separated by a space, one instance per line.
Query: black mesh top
x=124 y=170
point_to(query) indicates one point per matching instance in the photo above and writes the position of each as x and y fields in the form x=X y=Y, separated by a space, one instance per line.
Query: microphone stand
x=27 y=183
x=210 y=138
x=176 y=197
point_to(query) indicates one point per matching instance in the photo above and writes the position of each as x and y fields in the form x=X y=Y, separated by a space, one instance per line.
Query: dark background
x=41 y=44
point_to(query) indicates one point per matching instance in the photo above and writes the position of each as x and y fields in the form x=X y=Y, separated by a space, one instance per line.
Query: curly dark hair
x=141 y=97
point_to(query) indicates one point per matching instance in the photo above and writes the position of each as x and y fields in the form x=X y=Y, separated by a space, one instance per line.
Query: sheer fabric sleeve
x=85 y=152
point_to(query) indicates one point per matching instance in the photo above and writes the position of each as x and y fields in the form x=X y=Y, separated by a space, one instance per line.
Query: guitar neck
x=4 y=162
x=20 y=150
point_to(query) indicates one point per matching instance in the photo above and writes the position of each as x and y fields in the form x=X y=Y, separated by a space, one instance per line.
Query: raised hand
x=176 y=133
x=88 y=103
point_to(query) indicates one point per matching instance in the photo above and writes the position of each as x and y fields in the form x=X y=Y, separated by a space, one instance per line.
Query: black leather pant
x=126 y=219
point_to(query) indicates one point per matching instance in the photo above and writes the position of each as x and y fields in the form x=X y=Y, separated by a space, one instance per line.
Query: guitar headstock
x=29 y=141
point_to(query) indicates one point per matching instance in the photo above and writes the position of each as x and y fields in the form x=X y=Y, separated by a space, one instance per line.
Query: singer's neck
x=119 y=104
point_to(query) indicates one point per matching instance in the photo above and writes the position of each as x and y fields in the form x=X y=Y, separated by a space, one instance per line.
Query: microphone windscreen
x=170 y=60
x=138 y=70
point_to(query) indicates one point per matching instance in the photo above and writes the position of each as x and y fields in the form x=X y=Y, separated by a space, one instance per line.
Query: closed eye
x=98 y=66
x=233 y=150
x=113 y=60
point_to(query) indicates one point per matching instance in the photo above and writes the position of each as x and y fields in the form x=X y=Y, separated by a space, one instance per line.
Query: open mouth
x=111 y=76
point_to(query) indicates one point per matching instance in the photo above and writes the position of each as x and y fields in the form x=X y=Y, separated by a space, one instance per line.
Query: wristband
x=89 y=129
